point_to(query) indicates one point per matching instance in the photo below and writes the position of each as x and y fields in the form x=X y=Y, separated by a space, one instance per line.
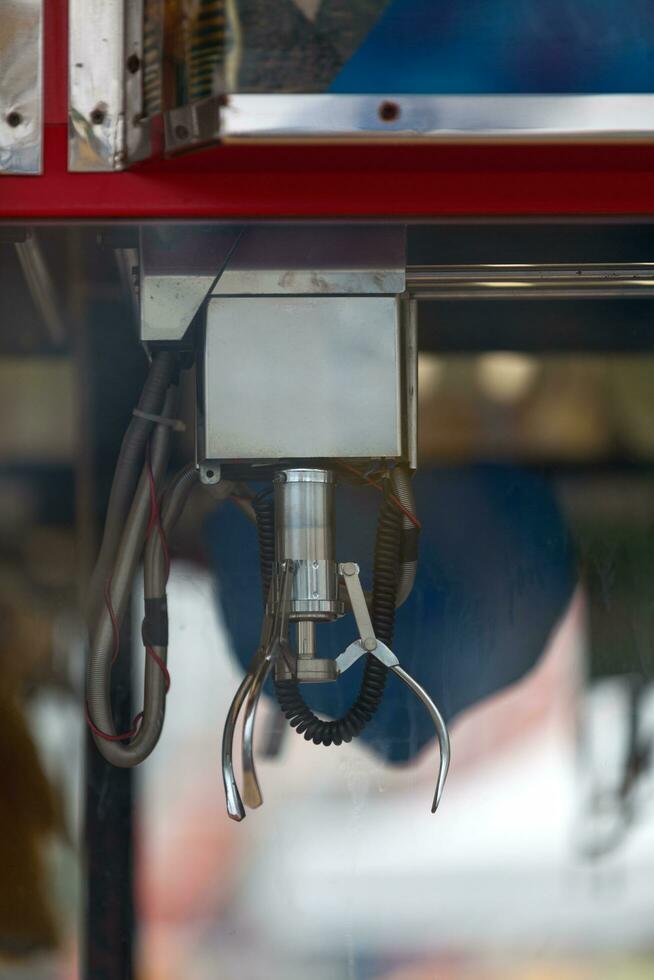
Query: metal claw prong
x=251 y=789
x=274 y=647
x=235 y=808
x=441 y=731
x=369 y=643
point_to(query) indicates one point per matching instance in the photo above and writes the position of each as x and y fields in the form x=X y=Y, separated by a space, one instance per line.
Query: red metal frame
x=401 y=181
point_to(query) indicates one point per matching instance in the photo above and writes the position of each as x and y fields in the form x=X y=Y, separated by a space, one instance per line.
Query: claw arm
x=251 y=789
x=235 y=808
x=441 y=730
x=276 y=647
x=368 y=643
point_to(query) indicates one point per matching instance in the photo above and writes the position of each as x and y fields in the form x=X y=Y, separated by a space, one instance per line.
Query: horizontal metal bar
x=445 y=117
x=532 y=281
x=536 y=293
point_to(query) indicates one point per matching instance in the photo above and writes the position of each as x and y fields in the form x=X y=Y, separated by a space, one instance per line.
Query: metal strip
x=21 y=86
x=107 y=130
x=409 y=314
x=443 y=117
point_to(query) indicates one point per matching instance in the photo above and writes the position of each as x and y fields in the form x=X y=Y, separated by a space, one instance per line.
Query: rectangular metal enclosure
x=301 y=376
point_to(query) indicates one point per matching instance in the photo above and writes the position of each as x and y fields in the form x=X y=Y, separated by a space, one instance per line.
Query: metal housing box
x=302 y=376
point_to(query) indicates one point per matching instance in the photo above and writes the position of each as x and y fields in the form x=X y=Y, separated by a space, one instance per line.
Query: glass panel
x=530 y=623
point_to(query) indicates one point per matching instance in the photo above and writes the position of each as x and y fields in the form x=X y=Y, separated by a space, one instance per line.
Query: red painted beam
x=340 y=181
x=420 y=181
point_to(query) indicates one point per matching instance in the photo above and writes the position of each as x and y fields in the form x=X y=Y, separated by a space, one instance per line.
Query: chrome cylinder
x=304 y=515
x=304 y=534
x=306 y=639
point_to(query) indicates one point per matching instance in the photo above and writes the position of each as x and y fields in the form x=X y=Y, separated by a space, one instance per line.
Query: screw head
x=98 y=115
x=181 y=131
x=133 y=64
x=389 y=111
x=210 y=475
x=14 y=119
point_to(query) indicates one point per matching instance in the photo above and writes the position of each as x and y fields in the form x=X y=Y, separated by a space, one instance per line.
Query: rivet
x=389 y=111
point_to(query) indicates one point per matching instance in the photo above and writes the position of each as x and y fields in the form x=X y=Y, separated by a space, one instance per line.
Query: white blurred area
x=345 y=873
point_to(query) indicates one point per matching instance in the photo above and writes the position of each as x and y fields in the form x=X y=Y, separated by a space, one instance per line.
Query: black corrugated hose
x=264 y=508
x=386 y=570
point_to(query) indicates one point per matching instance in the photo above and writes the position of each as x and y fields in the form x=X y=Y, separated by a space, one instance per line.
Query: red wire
x=155 y=517
x=375 y=483
x=159 y=662
x=154 y=521
x=105 y=735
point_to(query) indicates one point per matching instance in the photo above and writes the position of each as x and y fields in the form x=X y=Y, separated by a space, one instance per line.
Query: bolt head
x=98 y=115
x=370 y=644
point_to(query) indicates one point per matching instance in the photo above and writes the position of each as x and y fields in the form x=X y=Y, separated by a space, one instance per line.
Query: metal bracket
x=367 y=642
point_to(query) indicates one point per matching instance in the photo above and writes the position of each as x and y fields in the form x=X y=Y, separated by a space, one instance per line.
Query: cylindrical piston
x=304 y=534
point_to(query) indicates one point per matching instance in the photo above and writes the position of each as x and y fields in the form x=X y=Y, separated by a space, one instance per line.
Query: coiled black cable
x=352 y=723
x=264 y=508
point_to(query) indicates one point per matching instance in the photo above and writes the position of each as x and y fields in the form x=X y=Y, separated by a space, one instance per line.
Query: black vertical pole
x=109 y=846
x=111 y=368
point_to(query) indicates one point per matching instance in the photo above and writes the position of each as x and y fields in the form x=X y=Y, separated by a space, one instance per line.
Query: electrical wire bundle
x=140 y=516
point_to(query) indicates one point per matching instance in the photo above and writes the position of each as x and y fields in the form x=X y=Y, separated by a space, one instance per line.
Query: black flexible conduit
x=264 y=508
x=386 y=570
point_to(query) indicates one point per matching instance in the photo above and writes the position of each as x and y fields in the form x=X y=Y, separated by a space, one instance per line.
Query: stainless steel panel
x=445 y=117
x=302 y=377
x=180 y=266
x=21 y=86
x=312 y=259
x=177 y=269
x=107 y=130
x=292 y=282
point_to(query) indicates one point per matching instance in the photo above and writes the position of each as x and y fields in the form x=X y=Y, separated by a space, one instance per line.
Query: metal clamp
x=272 y=645
x=368 y=643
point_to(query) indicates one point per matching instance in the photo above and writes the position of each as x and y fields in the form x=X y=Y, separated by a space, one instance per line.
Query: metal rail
x=532 y=281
